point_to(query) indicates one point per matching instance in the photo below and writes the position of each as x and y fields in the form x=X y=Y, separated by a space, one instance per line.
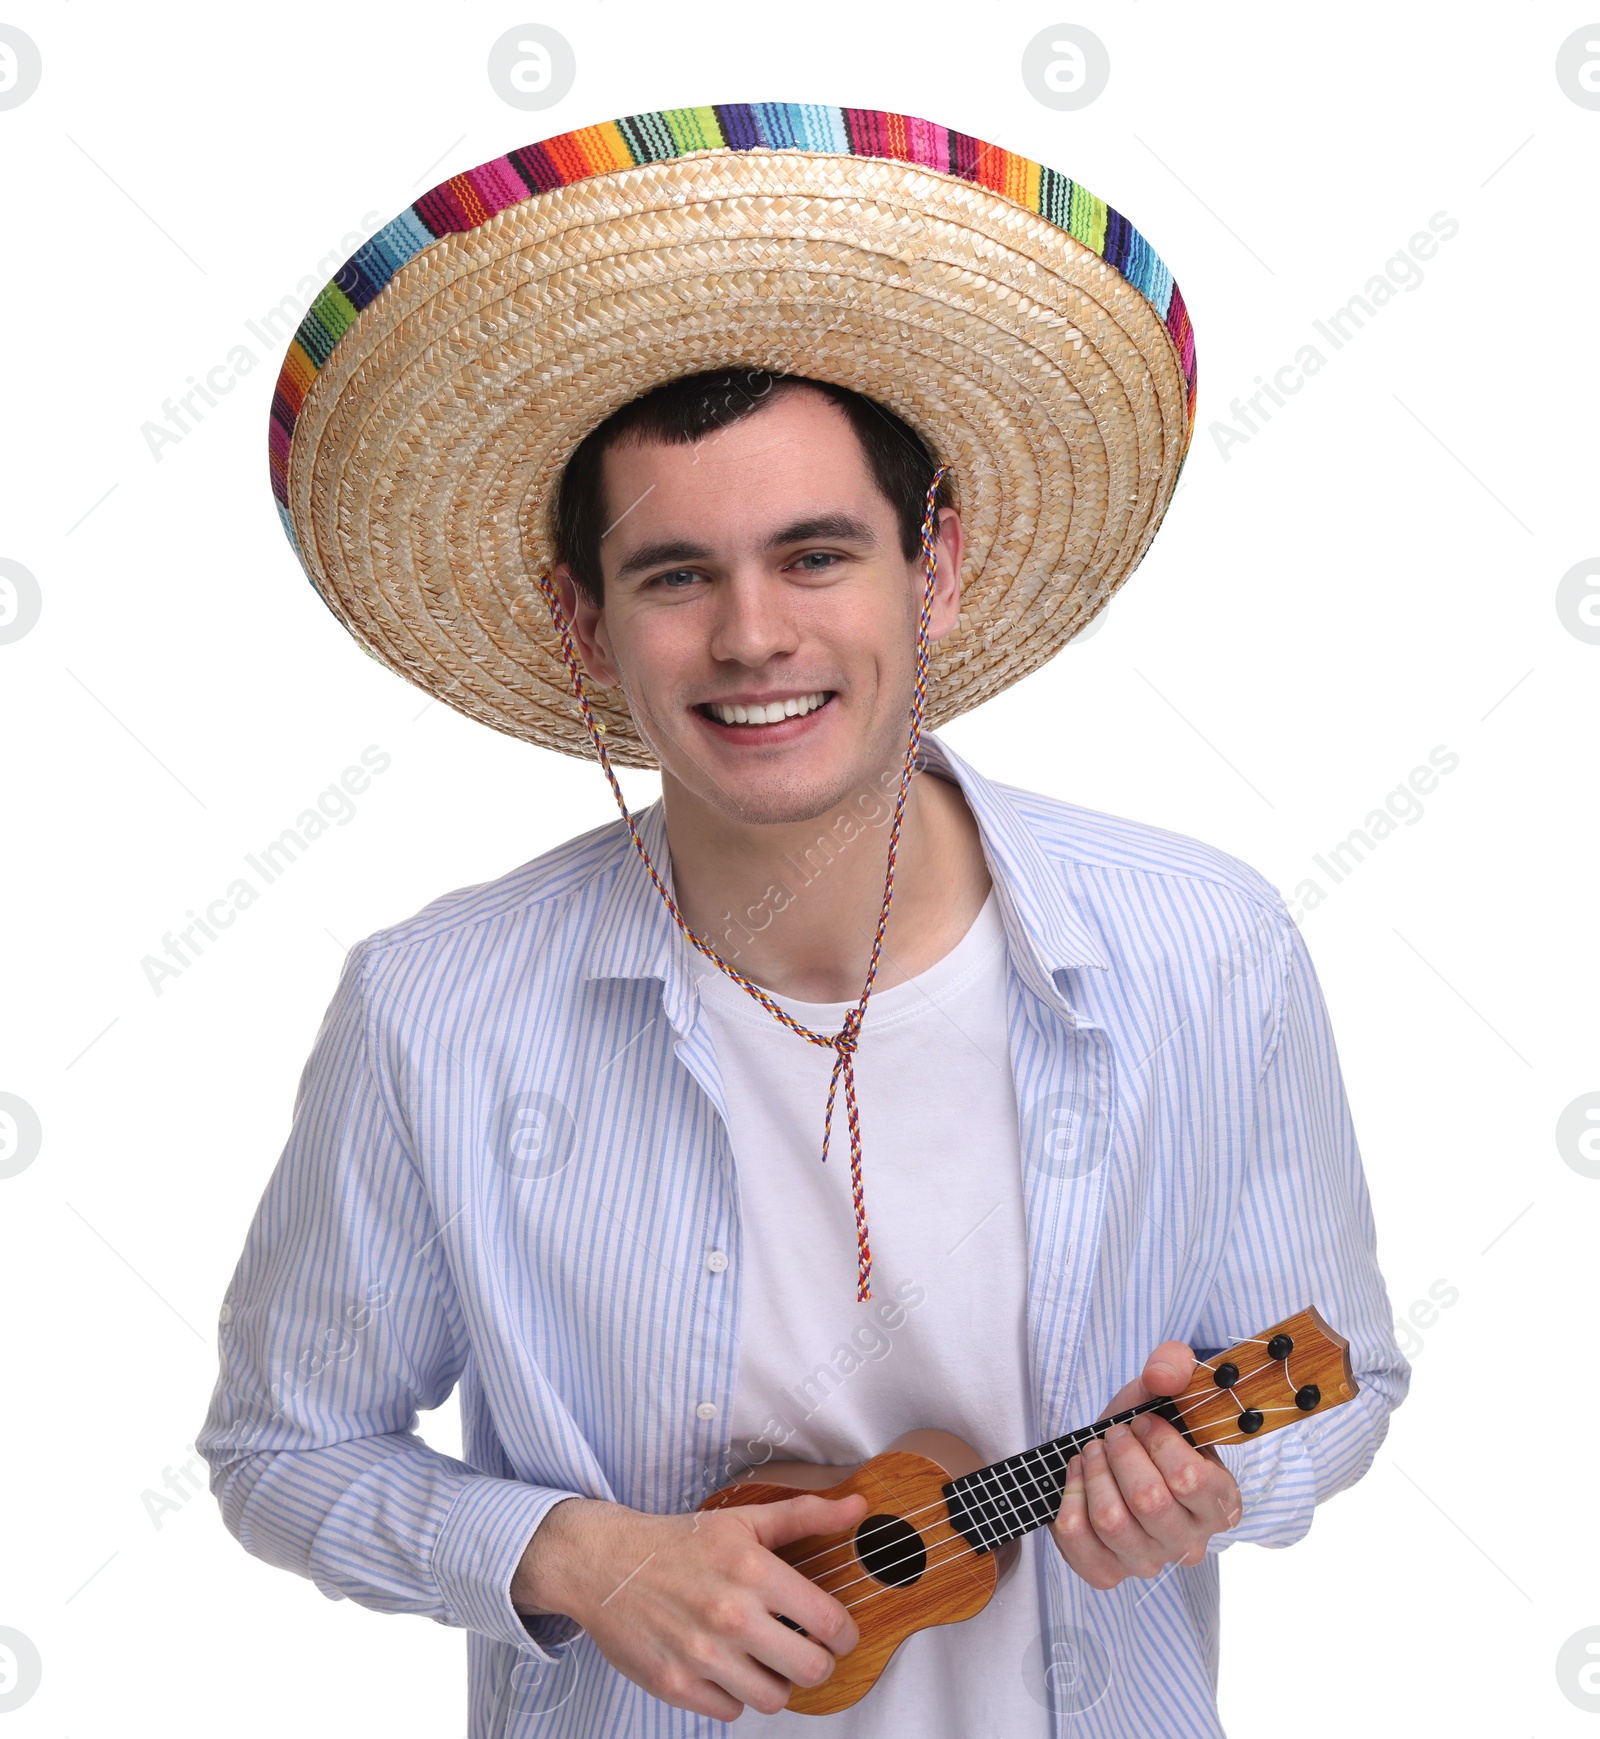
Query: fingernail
x=1117 y=1434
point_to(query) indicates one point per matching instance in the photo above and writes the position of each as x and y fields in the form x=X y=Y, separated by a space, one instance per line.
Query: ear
x=946 y=611
x=587 y=624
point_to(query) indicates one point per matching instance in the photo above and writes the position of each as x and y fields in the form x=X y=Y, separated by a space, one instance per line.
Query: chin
x=778 y=802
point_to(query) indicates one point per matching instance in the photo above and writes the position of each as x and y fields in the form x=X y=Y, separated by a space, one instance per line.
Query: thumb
x=1168 y=1369
x=795 y=1517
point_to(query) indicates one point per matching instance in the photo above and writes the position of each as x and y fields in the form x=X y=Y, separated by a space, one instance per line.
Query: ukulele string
x=991 y=1490
x=970 y=1551
x=934 y=1562
x=988 y=1490
x=1244 y=1340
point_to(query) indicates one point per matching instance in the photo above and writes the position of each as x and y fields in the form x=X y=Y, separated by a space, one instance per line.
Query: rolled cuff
x=1277 y=1482
x=477 y=1553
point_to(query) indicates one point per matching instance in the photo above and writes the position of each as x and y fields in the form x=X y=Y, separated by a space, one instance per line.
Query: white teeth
x=771 y=713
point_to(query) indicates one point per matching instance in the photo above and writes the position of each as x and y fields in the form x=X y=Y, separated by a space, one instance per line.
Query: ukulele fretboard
x=1011 y=1498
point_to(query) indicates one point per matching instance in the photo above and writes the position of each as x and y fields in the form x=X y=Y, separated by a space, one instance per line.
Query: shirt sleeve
x=1303 y=1236
x=340 y=1322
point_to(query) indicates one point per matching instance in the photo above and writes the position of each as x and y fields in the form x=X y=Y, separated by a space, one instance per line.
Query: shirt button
x=716 y=1261
x=706 y=1410
x=225 y=1314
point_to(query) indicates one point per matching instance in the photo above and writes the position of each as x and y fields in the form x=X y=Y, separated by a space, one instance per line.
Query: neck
x=794 y=905
x=1010 y=1498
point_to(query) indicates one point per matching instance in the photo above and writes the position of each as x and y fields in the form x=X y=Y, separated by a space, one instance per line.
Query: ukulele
x=929 y=1550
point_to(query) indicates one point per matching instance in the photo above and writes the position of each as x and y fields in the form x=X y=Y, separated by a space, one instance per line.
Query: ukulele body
x=939 y=1582
x=906 y=1566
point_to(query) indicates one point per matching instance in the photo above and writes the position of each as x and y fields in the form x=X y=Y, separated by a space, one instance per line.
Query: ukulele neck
x=1299 y=1367
x=1011 y=1498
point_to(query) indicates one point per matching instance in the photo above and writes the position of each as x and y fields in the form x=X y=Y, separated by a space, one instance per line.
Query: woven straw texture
x=422 y=424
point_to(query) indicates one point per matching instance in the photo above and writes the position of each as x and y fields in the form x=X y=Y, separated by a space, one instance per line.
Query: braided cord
x=844 y=1042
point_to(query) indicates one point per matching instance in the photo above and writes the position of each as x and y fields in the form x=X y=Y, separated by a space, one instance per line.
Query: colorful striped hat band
x=441 y=381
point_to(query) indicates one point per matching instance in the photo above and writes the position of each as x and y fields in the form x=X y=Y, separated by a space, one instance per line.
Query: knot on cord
x=848 y=1036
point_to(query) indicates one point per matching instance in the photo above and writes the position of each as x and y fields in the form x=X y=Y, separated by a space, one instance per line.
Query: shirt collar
x=1032 y=888
x=635 y=935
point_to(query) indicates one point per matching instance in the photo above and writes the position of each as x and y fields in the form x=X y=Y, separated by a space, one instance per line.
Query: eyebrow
x=842 y=526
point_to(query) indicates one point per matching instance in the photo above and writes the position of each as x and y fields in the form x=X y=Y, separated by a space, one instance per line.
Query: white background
x=1372 y=574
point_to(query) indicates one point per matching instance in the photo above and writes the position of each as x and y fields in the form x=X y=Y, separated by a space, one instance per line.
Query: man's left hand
x=1142 y=1498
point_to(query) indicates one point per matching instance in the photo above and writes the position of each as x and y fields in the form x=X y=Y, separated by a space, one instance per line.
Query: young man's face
x=761 y=568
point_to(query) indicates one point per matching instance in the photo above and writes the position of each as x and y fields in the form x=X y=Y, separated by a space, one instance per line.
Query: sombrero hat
x=442 y=379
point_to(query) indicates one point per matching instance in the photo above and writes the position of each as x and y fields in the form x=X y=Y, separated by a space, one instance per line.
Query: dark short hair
x=681 y=411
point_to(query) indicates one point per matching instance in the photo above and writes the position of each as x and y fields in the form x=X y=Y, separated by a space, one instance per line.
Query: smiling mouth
x=772 y=713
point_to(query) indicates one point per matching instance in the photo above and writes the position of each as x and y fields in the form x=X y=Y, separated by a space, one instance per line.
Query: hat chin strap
x=844 y=1042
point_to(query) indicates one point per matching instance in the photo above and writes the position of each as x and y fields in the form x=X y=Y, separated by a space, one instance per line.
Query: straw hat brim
x=426 y=441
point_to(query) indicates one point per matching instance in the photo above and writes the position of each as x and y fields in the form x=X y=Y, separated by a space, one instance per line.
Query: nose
x=753 y=622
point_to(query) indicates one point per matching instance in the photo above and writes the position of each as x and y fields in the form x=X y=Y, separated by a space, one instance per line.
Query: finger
x=1198 y=1480
x=737 y=1675
x=792 y=1591
x=743 y=1649
x=1166 y=1372
x=1133 y=1394
x=700 y=1695
x=786 y=1654
x=817 y=1588
x=1148 y=1497
x=821 y=1608
x=795 y=1518
x=1116 y=1526
x=1075 y=1536
x=1168 y=1369
x=809 y=1625
x=736 y=1644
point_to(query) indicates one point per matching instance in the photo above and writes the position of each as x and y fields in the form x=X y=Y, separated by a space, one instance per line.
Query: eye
x=677 y=580
x=817 y=555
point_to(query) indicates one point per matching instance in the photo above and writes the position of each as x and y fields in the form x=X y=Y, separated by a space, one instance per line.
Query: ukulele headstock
x=1293 y=1370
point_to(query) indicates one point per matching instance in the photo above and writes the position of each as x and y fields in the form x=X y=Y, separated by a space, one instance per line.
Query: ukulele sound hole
x=891 y=1551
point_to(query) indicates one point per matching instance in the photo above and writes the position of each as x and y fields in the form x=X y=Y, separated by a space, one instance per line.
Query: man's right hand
x=684 y=1605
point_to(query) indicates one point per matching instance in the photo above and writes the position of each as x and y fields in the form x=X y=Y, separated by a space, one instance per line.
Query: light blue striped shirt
x=509 y=1159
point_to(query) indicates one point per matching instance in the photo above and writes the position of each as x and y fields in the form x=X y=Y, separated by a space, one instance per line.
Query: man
x=559 y=1137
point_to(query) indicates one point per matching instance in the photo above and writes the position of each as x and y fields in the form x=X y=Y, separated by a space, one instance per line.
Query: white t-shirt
x=942 y=1341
